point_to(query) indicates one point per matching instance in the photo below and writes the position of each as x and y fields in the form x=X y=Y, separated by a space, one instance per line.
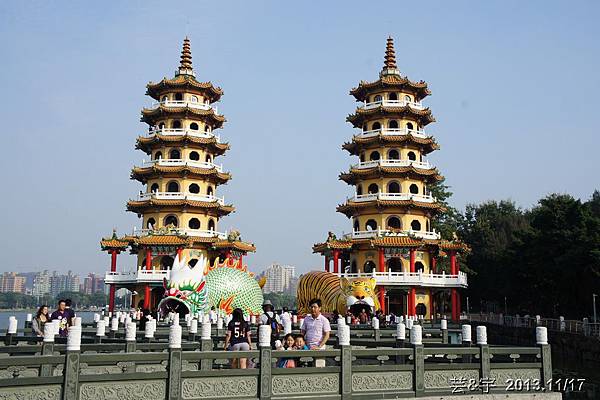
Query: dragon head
x=185 y=291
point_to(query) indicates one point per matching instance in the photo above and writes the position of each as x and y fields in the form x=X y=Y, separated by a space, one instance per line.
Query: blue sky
x=515 y=94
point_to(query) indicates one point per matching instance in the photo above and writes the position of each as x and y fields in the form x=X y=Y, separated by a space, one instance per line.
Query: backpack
x=275 y=327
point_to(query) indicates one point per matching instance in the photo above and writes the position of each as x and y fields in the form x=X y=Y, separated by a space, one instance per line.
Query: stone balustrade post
x=174 y=373
x=264 y=346
x=149 y=330
x=444 y=328
x=376 y=331
x=206 y=344
x=400 y=338
x=28 y=321
x=70 y=389
x=466 y=342
x=11 y=332
x=416 y=340
x=484 y=352
x=343 y=335
x=130 y=337
x=541 y=338
x=114 y=327
x=47 y=349
x=100 y=331
x=193 y=330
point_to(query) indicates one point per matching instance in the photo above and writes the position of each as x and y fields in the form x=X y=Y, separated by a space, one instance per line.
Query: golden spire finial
x=390 y=54
x=185 y=66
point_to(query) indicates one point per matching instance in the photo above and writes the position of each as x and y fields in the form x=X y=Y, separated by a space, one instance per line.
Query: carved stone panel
x=305 y=384
x=502 y=376
x=51 y=392
x=123 y=390
x=444 y=379
x=368 y=381
x=219 y=387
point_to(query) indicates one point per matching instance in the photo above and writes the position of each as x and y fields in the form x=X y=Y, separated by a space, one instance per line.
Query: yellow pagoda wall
x=182 y=217
x=184 y=184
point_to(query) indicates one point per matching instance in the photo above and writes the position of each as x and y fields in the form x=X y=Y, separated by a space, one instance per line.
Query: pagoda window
x=393 y=124
x=353 y=267
x=407 y=98
x=394 y=223
x=362 y=157
x=393 y=155
x=211 y=224
x=166 y=262
x=207 y=128
x=178 y=96
x=419 y=267
x=369 y=267
x=171 y=220
x=409 y=126
x=194 y=126
x=412 y=156
x=373 y=188
x=375 y=126
x=158 y=155
x=393 y=187
x=194 y=156
x=173 y=187
x=356 y=225
x=377 y=98
x=414 y=189
x=394 y=264
x=374 y=156
x=209 y=191
x=151 y=223
x=427 y=227
x=194 y=99
x=415 y=225
x=194 y=188
x=154 y=188
x=359 y=190
x=393 y=96
x=161 y=125
x=194 y=223
x=208 y=158
x=177 y=124
x=371 y=225
x=175 y=154
x=165 y=98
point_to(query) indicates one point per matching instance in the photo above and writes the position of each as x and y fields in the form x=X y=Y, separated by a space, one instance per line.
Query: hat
x=267 y=303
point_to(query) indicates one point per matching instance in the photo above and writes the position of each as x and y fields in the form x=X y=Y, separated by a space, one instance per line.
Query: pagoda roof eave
x=361 y=115
x=188 y=82
x=332 y=245
x=355 y=174
x=351 y=208
x=385 y=82
x=150 y=115
x=354 y=147
x=235 y=245
x=211 y=207
x=142 y=174
x=146 y=144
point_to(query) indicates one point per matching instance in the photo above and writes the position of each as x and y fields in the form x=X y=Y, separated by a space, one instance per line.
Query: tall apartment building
x=279 y=278
x=41 y=283
x=11 y=282
x=63 y=283
x=93 y=283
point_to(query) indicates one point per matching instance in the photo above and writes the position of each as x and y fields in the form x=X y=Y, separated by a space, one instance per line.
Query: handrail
x=393 y=196
x=393 y=103
x=386 y=232
x=393 y=132
x=209 y=198
x=183 y=132
x=183 y=103
x=175 y=162
x=393 y=163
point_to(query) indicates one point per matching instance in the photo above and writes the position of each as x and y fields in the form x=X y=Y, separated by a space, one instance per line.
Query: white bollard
x=416 y=335
x=150 y=328
x=114 y=324
x=348 y=320
x=253 y=319
x=481 y=335
x=130 y=332
x=175 y=336
x=541 y=335
x=287 y=326
x=220 y=322
x=264 y=336
x=107 y=321
x=77 y=321
x=400 y=331
x=206 y=331
x=375 y=323
x=343 y=333
x=409 y=324
x=74 y=338
x=295 y=319
x=194 y=326
x=101 y=328
x=96 y=318
x=48 y=332
x=466 y=333
x=444 y=324
x=56 y=324
x=12 y=325
x=29 y=317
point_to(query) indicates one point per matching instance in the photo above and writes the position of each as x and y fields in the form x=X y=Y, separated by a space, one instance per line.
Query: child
x=288 y=344
x=300 y=344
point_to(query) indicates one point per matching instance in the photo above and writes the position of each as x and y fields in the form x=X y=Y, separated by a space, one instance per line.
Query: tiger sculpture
x=336 y=294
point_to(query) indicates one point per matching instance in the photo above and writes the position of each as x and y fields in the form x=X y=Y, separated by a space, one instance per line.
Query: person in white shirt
x=268 y=313
x=316 y=328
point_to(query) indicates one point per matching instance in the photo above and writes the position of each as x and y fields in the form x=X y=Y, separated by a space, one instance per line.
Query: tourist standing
x=70 y=311
x=270 y=318
x=41 y=317
x=238 y=336
x=62 y=316
x=316 y=328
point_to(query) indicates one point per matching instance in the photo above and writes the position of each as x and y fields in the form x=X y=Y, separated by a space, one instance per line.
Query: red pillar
x=453 y=298
x=431 y=304
x=413 y=292
x=113 y=268
x=433 y=264
x=382 y=299
x=381 y=260
x=452 y=262
x=180 y=252
x=453 y=291
x=147 y=293
x=327 y=263
x=336 y=261
x=241 y=261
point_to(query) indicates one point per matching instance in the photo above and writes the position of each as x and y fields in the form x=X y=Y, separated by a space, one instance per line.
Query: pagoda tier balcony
x=181 y=196
x=393 y=196
x=432 y=235
x=393 y=103
x=182 y=104
x=183 y=163
x=183 y=132
x=393 y=163
x=409 y=279
x=140 y=276
x=392 y=132
x=183 y=231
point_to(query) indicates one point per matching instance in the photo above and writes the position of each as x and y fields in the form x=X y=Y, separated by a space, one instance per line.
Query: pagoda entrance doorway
x=394 y=264
x=396 y=302
x=421 y=309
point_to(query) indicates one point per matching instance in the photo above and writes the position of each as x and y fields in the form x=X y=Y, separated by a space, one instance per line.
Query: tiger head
x=360 y=293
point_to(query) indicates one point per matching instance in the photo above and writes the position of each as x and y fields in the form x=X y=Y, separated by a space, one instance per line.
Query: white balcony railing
x=393 y=103
x=139 y=276
x=393 y=163
x=183 y=103
x=392 y=132
x=163 y=162
x=182 y=231
x=385 y=232
x=393 y=196
x=183 y=132
x=181 y=196
x=390 y=278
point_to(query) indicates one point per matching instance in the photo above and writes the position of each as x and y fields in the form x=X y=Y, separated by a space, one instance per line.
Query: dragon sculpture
x=225 y=286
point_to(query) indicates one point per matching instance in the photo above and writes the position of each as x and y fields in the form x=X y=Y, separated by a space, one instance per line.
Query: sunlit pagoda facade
x=179 y=205
x=392 y=238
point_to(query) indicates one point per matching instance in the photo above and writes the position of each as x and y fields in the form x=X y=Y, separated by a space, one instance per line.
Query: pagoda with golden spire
x=392 y=238
x=179 y=204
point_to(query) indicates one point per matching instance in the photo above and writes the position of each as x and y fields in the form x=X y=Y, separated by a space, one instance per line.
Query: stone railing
x=194 y=370
x=583 y=327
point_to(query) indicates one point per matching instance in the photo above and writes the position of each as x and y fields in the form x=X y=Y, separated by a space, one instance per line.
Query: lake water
x=86 y=316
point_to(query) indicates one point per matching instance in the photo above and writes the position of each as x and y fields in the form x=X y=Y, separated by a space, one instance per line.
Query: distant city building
x=93 y=284
x=41 y=283
x=279 y=278
x=63 y=283
x=11 y=282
